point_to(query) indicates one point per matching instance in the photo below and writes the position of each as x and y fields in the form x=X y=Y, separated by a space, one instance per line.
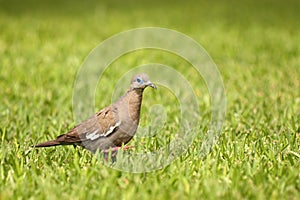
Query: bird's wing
x=102 y=124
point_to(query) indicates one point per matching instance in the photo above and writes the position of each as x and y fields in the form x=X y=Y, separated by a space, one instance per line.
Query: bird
x=113 y=126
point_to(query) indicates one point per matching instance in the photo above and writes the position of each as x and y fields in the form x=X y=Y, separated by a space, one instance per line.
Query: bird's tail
x=48 y=143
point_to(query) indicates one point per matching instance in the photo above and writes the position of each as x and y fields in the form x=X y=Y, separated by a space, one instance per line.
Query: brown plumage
x=112 y=126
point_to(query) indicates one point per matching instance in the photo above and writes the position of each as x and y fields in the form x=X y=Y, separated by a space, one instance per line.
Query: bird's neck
x=133 y=101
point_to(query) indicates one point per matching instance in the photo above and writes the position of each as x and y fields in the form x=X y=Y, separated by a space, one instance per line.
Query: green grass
x=255 y=45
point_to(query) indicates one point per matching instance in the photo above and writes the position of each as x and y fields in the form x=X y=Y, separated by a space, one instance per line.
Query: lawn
x=255 y=45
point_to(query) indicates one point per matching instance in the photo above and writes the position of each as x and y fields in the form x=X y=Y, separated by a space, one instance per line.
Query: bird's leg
x=114 y=151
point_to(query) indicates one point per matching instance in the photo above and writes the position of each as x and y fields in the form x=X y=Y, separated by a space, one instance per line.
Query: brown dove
x=112 y=126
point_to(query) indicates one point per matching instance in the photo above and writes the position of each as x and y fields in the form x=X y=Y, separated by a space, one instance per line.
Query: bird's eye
x=139 y=80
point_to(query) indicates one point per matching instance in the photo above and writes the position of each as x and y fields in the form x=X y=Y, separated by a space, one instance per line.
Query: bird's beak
x=152 y=85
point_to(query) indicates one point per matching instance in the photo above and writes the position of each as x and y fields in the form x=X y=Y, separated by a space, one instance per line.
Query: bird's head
x=141 y=81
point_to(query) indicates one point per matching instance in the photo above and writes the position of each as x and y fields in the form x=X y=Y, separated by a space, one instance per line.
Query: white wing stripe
x=111 y=129
x=94 y=135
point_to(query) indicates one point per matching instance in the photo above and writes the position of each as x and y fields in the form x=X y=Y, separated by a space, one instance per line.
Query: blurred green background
x=255 y=45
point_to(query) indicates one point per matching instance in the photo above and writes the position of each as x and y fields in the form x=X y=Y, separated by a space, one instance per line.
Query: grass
x=255 y=45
